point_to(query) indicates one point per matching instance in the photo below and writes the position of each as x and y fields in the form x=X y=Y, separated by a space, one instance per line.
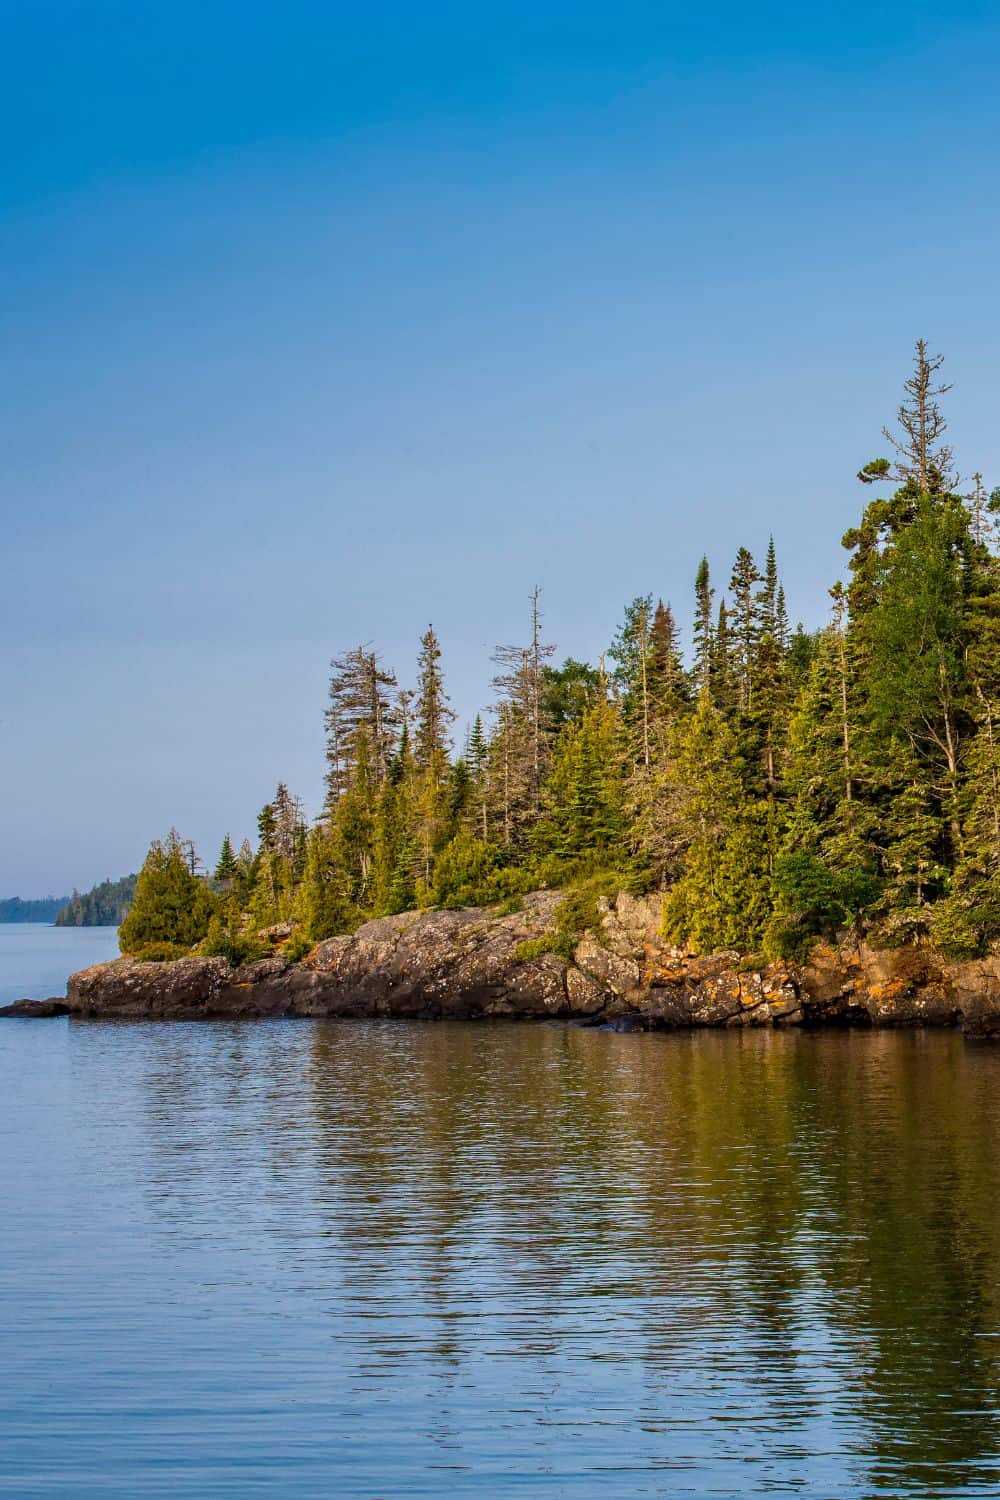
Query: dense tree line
x=104 y=905
x=777 y=786
x=43 y=909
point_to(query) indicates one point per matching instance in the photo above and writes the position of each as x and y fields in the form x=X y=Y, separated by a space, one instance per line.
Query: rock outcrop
x=471 y=964
x=36 y=1010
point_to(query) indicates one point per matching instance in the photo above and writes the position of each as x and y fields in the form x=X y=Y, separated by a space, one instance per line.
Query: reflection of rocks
x=465 y=964
x=35 y=1009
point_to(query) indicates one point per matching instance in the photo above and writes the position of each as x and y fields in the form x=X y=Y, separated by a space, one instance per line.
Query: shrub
x=159 y=953
x=813 y=900
x=577 y=912
x=510 y=905
x=237 y=948
x=297 y=947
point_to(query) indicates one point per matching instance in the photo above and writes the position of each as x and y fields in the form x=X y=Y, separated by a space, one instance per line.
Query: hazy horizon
x=322 y=326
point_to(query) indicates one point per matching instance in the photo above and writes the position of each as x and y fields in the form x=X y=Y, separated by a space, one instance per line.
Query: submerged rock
x=471 y=964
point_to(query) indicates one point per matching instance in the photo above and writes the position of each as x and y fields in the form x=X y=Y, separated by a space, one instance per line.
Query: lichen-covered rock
x=471 y=964
x=607 y=966
x=185 y=988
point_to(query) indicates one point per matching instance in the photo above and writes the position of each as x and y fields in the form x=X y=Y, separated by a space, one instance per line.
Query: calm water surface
x=378 y=1259
x=36 y=960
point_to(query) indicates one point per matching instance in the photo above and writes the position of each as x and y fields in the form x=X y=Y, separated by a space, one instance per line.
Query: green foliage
x=297 y=947
x=225 y=867
x=46 y=909
x=239 y=948
x=813 y=900
x=172 y=905
x=722 y=897
x=782 y=786
x=510 y=905
x=104 y=905
x=463 y=872
x=324 y=900
x=578 y=912
x=584 y=816
x=568 y=691
x=160 y=953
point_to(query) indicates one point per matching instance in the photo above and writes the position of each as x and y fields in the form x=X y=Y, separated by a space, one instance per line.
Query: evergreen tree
x=172 y=906
x=722 y=896
x=325 y=905
x=817 y=782
x=363 y=699
x=434 y=715
x=396 y=855
x=722 y=687
x=743 y=584
x=477 y=758
x=703 y=595
x=922 y=459
x=567 y=692
x=632 y=651
x=668 y=680
x=584 y=818
x=225 y=867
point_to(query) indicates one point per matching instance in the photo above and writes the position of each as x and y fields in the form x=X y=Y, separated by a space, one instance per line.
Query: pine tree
x=723 y=687
x=477 y=756
x=632 y=651
x=514 y=796
x=703 y=596
x=325 y=907
x=585 y=818
x=745 y=577
x=172 y=907
x=722 y=897
x=668 y=680
x=225 y=867
x=921 y=458
x=353 y=823
x=363 y=697
x=396 y=855
x=767 y=596
x=434 y=715
x=267 y=826
x=431 y=823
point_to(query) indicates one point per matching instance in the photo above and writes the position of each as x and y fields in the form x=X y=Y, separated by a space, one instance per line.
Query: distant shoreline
x=42 y=911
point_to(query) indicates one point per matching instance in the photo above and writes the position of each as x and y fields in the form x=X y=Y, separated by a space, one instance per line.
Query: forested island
x=104 y=905
x=44 y=909
x=777 y=787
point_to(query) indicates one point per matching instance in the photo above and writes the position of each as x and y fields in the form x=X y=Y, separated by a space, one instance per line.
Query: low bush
x=297 y=947
x=577 y=912
x=159 y=953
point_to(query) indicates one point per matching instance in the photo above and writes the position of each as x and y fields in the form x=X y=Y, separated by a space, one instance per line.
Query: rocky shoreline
x=470 y=964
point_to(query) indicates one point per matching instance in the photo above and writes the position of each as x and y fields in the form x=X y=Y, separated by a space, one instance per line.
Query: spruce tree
x=433 y=713
x=668 y=680
x=225 y=866
x=722 y=896
x=172 y=906
x=743 y=583
x=703 y=596
x=585 y=818
x=632 y=652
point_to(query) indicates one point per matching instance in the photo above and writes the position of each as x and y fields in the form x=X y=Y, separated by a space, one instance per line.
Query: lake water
x=379 y=1259
x=36 y=960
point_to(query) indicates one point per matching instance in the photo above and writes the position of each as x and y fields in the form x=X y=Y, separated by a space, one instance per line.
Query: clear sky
x=323 y=320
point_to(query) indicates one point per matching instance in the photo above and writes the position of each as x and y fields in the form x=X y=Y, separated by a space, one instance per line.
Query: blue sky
x=322 y=321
